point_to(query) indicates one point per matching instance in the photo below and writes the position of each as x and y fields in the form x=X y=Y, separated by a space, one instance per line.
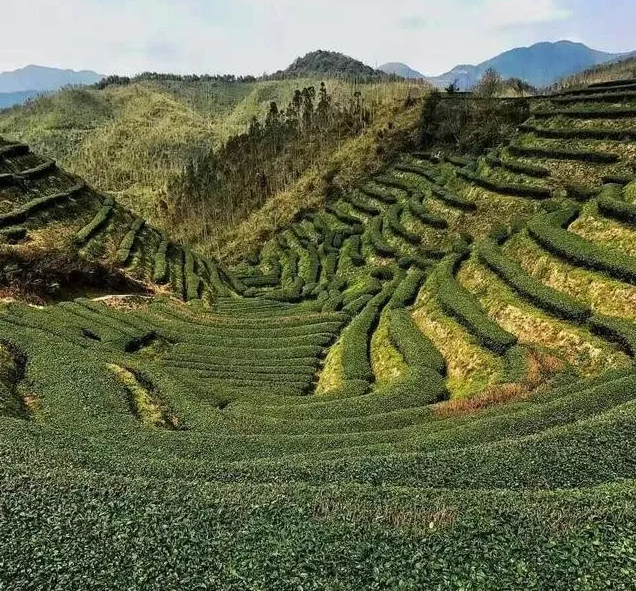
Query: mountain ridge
x=540 y=64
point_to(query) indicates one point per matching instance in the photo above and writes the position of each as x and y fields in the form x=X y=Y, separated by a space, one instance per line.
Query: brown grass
x=541 y=367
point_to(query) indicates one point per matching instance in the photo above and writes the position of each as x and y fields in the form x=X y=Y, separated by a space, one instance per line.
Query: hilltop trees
x=222 y=186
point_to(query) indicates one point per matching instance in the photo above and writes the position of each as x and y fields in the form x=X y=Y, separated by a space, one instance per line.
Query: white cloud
x=251 y=36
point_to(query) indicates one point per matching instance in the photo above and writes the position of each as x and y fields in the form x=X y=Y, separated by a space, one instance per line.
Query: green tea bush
x=37 y=171
x=97 y=223
x=361 y=205
x=123 y=254
x=608 y=113
x=193 y=281
x=546 y=298
x=383 y=196
x=425 y=216
x=520 y=190
x=408 y=289
x=533 y=170
x=22 y=213
x=453 y=200
x=599 y=133
x=418 y=350
x=394 y=214
x=355 y=345
x=611 y=205
x=618 y=330
x=462 y=305
x=378 y=242
x=608 y=97
x=516 y=364
x=548 y=230
x=595 y=157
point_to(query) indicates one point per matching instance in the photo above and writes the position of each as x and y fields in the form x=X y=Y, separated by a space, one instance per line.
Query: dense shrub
x=123 y=254
x=22 y=213
x=378 y=241
x=383 y=196
x=463 y=306
x=611 y=205
x=520 y=190
x=618 y=330
x=394 y=214
x=546 y=298
x=362 y=205
x=160 y=273
x=406 y=292
x=425 y=216
x=560 y=154
x=97 y=223
x=600 y=133
x=417 y=349
x=547 y=229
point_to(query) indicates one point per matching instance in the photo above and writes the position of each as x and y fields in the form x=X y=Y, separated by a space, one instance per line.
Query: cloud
x=252 y=36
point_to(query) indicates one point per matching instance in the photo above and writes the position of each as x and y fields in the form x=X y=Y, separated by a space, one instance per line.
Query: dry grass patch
x=605 y=295
x=590 y=354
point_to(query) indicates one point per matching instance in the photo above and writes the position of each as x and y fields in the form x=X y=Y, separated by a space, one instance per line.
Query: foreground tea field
x=427 y=384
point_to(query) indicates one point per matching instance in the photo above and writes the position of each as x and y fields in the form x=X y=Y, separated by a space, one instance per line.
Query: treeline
x=115 y=80
x=223 y=186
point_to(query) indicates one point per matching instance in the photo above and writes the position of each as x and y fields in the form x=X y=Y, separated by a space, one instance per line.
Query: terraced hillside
x=427 y=384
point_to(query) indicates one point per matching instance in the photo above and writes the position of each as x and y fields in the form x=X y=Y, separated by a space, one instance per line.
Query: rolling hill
x=331 y=64
x=133 y=140
x=404 y=378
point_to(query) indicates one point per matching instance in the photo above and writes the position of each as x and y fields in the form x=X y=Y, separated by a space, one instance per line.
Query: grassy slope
x=130 y=140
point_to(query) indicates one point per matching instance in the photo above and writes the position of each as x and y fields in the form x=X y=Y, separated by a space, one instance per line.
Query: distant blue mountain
x=27 y=82
x=400 y=69
x=9 y=99
x=541 y=64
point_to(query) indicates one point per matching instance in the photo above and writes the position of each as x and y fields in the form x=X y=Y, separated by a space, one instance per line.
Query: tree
x=490 y=85
x=453 y=87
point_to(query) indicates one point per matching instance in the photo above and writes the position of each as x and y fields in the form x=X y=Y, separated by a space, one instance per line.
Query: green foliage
x=520 y=190
x=378 y=241
x=22 y=213
x=548 y=230
x=596 y=157
x=97 y=223
x=394 y=214
x=160 y=273
x=544 y=297
x=464 y=307
x=418 y=351
x=611 y=205
x=426 y=217
x=123 y=254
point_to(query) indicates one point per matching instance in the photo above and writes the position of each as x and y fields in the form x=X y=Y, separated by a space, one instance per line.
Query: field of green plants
x=427 y=384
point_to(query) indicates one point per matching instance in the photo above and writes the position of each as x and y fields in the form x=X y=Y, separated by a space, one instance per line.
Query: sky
x=256 y=36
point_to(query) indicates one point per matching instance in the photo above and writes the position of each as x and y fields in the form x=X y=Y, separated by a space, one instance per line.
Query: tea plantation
x=428 y=384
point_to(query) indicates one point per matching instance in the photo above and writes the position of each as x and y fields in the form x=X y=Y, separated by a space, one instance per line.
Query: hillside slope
x=134 y=140
x=397 y=385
